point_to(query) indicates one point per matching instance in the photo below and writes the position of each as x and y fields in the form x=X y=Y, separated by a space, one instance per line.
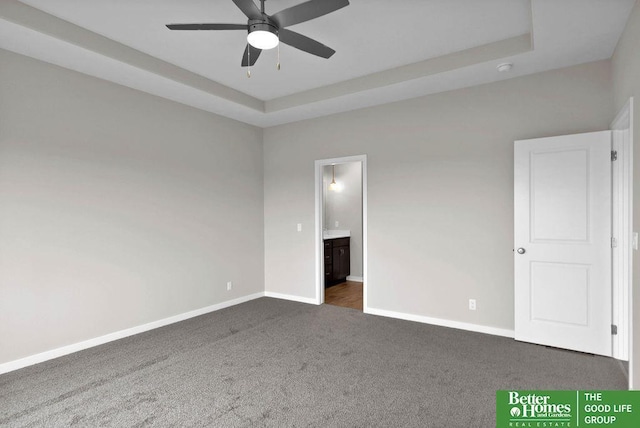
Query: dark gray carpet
x=282 y=364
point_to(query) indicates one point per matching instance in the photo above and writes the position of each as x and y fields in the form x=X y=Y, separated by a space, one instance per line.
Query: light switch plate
x=299 y=227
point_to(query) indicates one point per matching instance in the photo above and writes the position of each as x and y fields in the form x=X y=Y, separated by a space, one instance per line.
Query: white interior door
x=563 y=242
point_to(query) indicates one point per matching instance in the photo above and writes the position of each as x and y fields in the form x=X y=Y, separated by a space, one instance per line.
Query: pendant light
x=333 y=185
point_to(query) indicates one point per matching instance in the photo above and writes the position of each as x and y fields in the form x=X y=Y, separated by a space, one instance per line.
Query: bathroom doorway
x=341 y=232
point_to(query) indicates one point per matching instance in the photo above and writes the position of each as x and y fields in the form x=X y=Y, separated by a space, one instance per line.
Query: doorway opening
x=341 y=232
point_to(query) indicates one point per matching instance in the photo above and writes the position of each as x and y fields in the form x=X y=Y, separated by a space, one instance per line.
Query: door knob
x=521 y=250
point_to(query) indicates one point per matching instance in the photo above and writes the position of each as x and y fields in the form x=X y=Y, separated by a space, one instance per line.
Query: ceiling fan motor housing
x=262 y=25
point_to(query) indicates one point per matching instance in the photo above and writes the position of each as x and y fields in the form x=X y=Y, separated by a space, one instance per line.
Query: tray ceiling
x=385 y=51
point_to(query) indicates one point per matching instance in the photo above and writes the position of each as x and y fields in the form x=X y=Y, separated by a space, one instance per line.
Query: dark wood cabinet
x=337 y=261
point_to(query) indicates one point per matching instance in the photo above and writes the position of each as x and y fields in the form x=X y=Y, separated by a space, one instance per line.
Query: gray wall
x=345 y=207
x=626 y=78
x=118 y=208
x=440 y=189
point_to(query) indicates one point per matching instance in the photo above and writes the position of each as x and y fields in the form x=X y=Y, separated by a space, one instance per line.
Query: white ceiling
x=385 y=50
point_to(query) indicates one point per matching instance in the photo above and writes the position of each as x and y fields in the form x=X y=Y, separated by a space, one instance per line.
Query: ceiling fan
x=266 y=31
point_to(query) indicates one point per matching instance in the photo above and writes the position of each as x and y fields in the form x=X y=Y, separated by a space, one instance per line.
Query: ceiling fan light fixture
x=263 y=36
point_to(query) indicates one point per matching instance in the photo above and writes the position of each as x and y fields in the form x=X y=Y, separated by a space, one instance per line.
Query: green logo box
x=547 y=409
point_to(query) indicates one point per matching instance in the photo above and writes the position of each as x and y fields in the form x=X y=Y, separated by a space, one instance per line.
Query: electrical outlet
x=337 y=223
x=229 y=285
x=472 y=304
x=299 y=227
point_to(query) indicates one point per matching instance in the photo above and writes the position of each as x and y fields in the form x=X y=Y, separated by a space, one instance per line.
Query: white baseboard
x=441 y=322
x=355 y=278
x=291 y=297
x=69 y=349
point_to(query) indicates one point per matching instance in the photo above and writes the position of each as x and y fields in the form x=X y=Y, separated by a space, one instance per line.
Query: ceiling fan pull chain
x=278 y=64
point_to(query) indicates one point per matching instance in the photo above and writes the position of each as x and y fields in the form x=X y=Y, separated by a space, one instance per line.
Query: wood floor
x=347 y=294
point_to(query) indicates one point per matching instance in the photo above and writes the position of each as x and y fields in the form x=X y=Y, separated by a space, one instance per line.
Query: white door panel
x=549 y=303
x=559 y=198
x=563 y=225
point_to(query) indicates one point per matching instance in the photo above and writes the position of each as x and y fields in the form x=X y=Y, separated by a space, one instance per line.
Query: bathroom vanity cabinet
x=337 y=260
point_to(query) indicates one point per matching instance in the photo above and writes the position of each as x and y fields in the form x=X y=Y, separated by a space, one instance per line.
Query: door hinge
x=614 y=155
x=614 y=243
x=614 y=329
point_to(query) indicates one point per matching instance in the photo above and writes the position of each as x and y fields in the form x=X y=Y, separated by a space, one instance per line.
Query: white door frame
x=622 y=230
x=319 y=164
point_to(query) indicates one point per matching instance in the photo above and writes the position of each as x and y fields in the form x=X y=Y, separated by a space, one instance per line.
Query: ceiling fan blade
x=207 y=26
x=304 y=43
x=255 y=53
x=306 y=11
x=249 y=8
